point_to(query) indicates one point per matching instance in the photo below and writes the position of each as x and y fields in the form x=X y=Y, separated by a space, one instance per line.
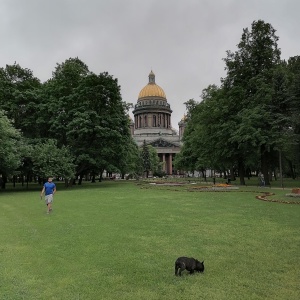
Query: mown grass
x=120 y=240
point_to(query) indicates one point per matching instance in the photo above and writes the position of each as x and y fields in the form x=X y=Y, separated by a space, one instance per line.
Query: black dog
x=189 y=264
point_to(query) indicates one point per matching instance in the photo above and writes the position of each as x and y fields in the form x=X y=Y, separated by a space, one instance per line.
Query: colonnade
x=167 y=159
x=161 y=120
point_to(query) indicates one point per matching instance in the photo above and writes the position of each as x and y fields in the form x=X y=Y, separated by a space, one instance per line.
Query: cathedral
x=152 y=124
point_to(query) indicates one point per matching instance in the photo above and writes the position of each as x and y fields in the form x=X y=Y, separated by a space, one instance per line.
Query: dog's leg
x=176 y=270
x=182 y=268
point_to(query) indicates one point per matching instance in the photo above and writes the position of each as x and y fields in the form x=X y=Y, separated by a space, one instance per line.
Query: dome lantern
x=151 y=78
x=152 y=89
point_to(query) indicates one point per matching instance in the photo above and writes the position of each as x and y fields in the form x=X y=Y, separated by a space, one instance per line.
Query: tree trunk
x=232 y=177
x=241 y=169
x=100 y=176
x=93 y=178
x=291 y=169
x=225 y=174
x=66 y=182
x=271 y=176
x=80 y=179
x=248 y=173
x=3 y=182
x=265 y=164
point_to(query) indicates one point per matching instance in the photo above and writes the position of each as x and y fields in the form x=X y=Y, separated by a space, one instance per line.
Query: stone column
x=164 y=162
x=170 y=164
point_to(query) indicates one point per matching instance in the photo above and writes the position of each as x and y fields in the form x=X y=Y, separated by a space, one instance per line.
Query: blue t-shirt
x=49 y=187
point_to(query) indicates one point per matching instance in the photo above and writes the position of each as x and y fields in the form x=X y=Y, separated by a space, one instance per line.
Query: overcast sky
x=182 y=41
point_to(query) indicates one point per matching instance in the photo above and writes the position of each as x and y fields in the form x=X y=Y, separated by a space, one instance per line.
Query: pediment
x=161 y=143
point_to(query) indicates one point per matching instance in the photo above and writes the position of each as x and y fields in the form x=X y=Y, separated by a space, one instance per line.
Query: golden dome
x=152 y=89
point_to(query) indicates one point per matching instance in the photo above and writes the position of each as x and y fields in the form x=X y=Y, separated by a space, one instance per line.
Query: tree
x=146 y=159
x=249 y=88
x=188 y=156
x=154 y=159
x=247 y=119
x=19 y=91
x=132 y=161
x=206 y=136
x=10 y=144
x=293 y=67
x=49 y=160
x=86 y=112
x=57 y=99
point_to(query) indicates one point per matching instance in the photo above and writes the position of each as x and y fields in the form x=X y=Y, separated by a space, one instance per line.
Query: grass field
x=119 y=240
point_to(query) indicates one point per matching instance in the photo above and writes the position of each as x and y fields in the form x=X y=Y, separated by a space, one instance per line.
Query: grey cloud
x=183 y=41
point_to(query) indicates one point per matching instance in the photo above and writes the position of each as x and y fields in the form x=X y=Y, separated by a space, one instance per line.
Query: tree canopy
x=73 y=124
x=245 y=122
x=10 y=143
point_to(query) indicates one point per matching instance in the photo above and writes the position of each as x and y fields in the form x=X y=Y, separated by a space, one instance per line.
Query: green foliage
x=10 y=145
x=82 y=111
x=131 y=162
x=19 y=91
x=146 y=158
x=49 y=160
x=86 y=113
x=159 y=173
x=150 y=160
x=154 y=159
x=293 y=67
x=250 y=117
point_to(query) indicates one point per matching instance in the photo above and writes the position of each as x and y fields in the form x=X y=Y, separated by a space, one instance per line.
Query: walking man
x=261 y=179
x=49 y=189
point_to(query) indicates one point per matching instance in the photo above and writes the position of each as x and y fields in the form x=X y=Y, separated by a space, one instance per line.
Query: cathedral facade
x=152 y=124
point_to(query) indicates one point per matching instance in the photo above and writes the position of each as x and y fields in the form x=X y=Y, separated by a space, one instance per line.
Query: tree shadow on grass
x=60 y=186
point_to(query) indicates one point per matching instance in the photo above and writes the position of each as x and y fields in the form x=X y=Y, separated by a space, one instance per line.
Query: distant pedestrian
x=49 y=189
x=261 y=179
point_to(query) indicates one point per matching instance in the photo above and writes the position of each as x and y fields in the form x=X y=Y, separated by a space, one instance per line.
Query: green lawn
x=119 y=240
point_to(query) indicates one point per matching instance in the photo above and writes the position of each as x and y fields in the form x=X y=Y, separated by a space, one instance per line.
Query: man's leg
x=49 y=199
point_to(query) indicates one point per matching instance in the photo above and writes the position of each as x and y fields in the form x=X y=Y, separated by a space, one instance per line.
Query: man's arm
x=42 y=192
